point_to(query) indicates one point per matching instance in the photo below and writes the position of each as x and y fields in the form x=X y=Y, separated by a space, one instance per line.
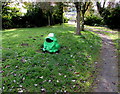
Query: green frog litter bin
x=50 y=43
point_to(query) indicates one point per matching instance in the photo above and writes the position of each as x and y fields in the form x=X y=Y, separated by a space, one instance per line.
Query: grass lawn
x=25 y=68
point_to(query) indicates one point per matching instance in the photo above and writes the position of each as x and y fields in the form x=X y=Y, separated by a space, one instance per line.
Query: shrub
x=6 y=22
x=93 y=20
x=35 y=17
x=112 y=20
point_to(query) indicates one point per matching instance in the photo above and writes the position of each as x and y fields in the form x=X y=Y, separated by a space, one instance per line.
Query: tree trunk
x=49 y=18
x=78 y=20
x=60 y=5
x=82 y=27
x=49 y=21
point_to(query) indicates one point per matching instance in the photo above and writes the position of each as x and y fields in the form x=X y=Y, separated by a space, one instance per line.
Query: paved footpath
x=107 y=78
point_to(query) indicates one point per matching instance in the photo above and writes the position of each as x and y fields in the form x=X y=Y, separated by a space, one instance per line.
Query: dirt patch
x=30 y=37
x=39 y=51
x=41 y=35
x=24 y=44
x=34 y=39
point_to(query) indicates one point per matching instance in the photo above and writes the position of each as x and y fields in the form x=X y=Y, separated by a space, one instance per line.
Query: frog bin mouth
x=49 y=40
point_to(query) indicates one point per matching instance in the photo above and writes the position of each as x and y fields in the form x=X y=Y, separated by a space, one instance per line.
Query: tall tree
x=51 y=8
x=84 y=8
x=5 y=4
x=60 y=10
x=47 y=8
x=101 y=8
x=81 y=8
x=110 y=13
x=78 y=8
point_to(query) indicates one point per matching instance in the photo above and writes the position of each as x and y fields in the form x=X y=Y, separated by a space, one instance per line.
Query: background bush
x=35 y=16
x=93 y=20
x=113 y=18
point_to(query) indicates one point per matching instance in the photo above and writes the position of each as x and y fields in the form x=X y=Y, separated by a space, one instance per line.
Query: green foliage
x=27 y=69
x=35 y=18
x=93 y=20
x=110 y=14
x=36 y=15
x=8 y=13
x=58 y=13
x=6 y=21
x=112 y=19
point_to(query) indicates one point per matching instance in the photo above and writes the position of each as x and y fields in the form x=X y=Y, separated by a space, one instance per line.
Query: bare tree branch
x=87 y=6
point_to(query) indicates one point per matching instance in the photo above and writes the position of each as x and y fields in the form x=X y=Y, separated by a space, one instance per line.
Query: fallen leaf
x=77 y=73
x=7 y=66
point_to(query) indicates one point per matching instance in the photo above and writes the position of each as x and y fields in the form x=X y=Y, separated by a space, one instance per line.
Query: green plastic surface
x=51 y=44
